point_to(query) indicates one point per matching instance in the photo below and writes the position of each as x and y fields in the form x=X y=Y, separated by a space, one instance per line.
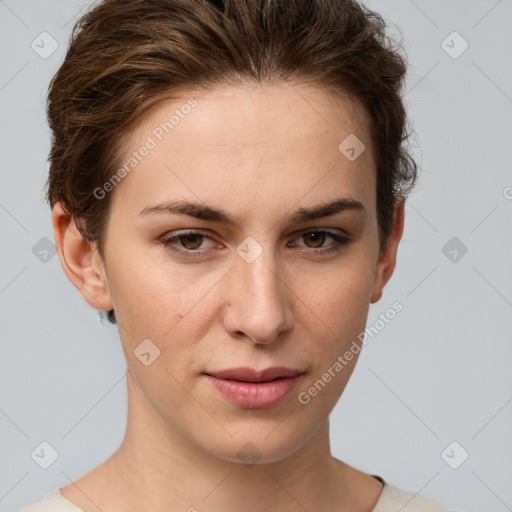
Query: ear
x=387 y=257
x=80 y=260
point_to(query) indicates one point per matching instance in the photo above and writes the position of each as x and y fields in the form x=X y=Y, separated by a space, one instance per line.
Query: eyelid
x=327 y=231
x=184 y=232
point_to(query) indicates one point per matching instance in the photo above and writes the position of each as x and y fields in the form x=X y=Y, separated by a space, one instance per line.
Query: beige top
x=392 y=499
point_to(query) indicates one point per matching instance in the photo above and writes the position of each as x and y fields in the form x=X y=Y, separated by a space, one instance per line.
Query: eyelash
x=339 y=242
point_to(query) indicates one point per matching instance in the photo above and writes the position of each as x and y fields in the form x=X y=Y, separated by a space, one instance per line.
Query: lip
x=246 y=374
x=261 y=390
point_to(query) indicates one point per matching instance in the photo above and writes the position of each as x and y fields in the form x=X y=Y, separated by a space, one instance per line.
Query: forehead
x=224 y=109
x=257 y=141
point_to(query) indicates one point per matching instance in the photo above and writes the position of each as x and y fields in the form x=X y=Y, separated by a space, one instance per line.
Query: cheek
x=334 y=318
x=156 y=302
x=341 y=297
x=160 y=300
x=340 y=310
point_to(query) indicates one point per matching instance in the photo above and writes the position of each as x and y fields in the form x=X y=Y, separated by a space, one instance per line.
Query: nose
x=259 y=301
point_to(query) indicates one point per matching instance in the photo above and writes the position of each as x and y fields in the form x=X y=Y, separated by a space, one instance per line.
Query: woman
x=230 y=179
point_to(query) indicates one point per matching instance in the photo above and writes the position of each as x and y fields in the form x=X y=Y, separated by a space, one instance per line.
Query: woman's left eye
x=318 y=236
x=191 y=242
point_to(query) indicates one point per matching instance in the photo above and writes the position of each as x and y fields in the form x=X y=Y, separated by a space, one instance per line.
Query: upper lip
x=245 y=374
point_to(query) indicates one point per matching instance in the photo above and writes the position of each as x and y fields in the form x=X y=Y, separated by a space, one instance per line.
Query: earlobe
x=387 y=257
x=80 y=260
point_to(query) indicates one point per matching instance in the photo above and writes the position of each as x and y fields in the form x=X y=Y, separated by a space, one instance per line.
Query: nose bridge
x=260 y=305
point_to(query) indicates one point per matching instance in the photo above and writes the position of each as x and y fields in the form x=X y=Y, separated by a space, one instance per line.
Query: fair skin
x=259 y=154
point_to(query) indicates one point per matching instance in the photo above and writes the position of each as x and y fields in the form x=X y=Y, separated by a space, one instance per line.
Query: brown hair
x=126 y=56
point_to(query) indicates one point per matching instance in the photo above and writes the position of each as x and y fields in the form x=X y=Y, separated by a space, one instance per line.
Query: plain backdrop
x=429 y=406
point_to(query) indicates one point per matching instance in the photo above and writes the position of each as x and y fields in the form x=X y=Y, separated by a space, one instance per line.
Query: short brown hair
x=126 y=56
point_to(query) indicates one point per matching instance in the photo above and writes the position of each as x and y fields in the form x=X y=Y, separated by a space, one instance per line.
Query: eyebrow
x=201 y=211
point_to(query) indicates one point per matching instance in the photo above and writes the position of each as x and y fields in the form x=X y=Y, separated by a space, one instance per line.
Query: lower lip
x=255 y=395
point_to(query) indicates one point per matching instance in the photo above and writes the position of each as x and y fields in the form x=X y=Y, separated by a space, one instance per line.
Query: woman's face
x=258 y=291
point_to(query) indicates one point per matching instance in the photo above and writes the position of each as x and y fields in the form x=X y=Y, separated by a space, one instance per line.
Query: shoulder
x=52 y=501
x=394 y=499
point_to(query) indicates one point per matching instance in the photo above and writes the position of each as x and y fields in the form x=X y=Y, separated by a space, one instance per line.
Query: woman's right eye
x=189 y=240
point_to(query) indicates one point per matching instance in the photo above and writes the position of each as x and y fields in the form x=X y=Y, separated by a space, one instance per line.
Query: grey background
x=439 y=372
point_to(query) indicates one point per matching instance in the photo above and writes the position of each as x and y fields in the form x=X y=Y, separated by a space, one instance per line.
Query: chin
x=257 y=445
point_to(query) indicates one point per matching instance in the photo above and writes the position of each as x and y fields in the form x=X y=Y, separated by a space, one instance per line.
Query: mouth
x=245 y=374
x=255 y=390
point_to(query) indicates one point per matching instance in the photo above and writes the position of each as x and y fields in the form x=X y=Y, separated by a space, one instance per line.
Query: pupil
x=316 y=235
x=190 y=239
